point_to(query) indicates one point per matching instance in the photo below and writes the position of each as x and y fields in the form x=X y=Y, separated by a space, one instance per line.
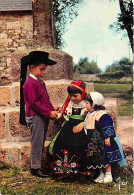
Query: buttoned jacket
x=36 y=98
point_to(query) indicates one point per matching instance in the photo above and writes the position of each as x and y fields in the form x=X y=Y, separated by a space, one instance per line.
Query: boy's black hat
x=37 y=57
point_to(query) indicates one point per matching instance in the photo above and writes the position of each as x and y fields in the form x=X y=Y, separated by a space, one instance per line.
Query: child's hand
x=78 y=128
x=107 y=141
x=58 y=108
x=53 y=115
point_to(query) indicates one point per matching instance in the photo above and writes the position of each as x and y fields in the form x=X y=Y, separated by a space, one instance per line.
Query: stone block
x=15 y=128
x=13 y=25
x=25 y=155
x=20 y=133
x=17 y=154
x=62 y=70
x=4 y=154
x=17 y=94
x=2 y=126
x=3 y=36
x=57 y=91
x=5 y=96
x=112 y=108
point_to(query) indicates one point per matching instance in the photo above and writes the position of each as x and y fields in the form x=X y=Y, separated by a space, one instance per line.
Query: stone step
x=15 y=139
x=10 y=95
x=12 y=131
x=18 y=154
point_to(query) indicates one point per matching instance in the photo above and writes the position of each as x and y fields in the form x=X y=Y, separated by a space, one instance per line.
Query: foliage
x=118 y=69
x=112 y=75
x=125 y=19
x=86 y=67
x=64 y=11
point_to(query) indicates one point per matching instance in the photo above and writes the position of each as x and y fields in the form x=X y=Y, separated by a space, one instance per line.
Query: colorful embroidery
x=63 y=166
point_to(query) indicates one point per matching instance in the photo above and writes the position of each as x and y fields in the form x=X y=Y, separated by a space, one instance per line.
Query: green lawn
x=124 y=109
x=112 y=88
x=20 y=182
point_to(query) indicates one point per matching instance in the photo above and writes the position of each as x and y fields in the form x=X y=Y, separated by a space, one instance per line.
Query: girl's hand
x=107 y=141
x=78 y=128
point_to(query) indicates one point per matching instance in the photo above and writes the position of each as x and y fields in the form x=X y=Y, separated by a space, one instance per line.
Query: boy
x=33 y=94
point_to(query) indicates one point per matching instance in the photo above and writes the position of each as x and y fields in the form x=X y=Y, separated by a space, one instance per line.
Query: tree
x=124 y=66
x=113 y=67
x=64 y=11
x=86 y=67
x=125 y=19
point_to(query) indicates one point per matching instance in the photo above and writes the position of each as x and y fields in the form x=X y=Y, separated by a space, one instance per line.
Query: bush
x=112 y=75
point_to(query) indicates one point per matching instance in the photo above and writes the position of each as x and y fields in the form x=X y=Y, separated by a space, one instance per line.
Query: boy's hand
x=53 y=115
x=78 y=128
x=58 y=108
x=107 y=141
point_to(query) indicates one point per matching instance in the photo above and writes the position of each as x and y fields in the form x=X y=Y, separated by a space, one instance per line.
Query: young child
x=99 y=123
x=66 y=146
x=33 y=94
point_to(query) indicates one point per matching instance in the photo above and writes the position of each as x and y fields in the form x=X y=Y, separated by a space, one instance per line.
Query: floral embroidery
x=73 y=165
x=63 y=166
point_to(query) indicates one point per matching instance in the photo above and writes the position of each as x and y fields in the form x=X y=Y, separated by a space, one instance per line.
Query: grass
x=126 y=107
x=20 y=182
x=112 y=88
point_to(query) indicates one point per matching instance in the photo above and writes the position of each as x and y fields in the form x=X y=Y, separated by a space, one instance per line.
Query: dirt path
x=125 y=123
x=125 y=130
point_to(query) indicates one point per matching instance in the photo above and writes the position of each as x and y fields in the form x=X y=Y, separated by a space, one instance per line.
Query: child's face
x=38 y=71
x=89 y=107
x=76 y=98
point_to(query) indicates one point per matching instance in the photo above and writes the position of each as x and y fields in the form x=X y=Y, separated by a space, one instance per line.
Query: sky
x=89 y=34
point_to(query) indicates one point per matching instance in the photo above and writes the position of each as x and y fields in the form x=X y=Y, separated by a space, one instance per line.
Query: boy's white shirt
x=71 y=105
x=31 y=75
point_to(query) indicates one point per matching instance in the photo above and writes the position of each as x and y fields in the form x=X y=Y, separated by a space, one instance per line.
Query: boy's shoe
x=39 y=173
x=100 y=178
x=108 y=179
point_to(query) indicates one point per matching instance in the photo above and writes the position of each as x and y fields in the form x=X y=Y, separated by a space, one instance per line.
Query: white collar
x=31 y=75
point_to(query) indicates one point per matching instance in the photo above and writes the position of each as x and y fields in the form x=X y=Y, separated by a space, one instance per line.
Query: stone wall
x=86 y=77
x=16 y=32
x=14 y=138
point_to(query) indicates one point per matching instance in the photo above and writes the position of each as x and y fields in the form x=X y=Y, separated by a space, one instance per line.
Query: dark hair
x=74 y=90
x=96 y=107
x=89 y=99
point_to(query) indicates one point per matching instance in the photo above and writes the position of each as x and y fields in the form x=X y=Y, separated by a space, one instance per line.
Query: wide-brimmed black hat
x=37 y=57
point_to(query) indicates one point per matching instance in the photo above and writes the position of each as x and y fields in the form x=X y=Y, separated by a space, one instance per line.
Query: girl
x=39 y=109
x=66 y=147
x=99 y=125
